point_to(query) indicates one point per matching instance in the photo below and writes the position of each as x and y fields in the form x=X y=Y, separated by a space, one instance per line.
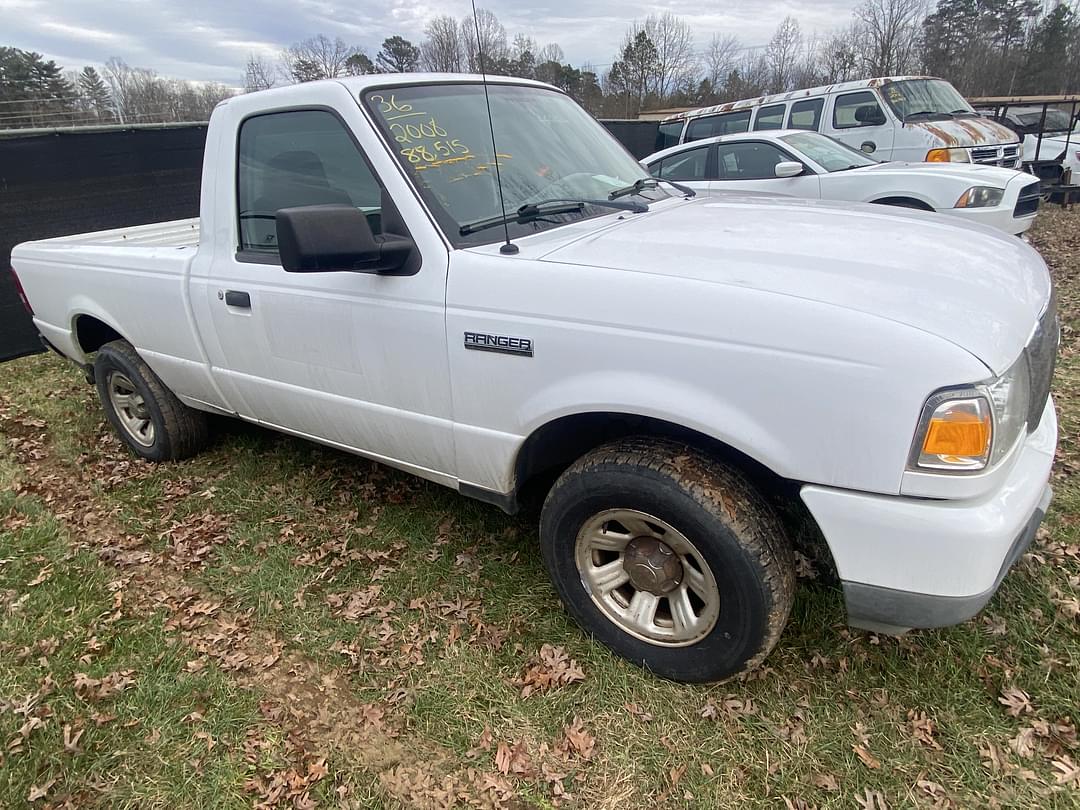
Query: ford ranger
x=475 y=283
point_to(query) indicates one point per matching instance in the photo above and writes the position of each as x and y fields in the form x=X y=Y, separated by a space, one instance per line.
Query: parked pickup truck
x=685 y=381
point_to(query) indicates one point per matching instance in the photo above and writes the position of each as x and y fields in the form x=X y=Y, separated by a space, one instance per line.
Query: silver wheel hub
x=647 y=577
x=652 y=566
x=130 y=408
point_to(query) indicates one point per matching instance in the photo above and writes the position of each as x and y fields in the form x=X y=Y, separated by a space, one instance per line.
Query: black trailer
x=1035 y=117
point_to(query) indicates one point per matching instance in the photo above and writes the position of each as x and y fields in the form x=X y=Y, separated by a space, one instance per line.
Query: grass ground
x=277 y=624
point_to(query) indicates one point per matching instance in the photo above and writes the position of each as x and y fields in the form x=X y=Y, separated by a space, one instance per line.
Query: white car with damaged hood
x=669 y=374
x=798 y=163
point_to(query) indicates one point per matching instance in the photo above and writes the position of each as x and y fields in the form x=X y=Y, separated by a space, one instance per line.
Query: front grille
x=1007 y=156
x=1028 y=201
x=1041 y=354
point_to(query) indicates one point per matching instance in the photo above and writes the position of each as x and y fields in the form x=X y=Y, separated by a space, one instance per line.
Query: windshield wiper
x=650 y=182
x=965 y=112
x=530 y=212
x=911 y=115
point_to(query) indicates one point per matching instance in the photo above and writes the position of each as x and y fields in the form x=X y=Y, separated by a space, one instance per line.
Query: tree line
x=984 y=47
x=36 y=92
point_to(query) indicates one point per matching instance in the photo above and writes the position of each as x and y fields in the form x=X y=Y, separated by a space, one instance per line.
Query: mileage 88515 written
x=424 y=143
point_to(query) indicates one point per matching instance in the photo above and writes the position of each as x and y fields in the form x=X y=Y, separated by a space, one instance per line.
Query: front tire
x=147 y=416
x=670 y=558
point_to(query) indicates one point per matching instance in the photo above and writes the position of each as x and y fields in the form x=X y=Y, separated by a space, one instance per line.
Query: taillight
x=22 y=293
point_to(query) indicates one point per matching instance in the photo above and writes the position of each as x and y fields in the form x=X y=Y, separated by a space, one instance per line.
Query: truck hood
x=976 y=287
x=966 y=132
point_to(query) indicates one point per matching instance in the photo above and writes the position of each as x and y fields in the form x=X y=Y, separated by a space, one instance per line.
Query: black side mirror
x=338 y=238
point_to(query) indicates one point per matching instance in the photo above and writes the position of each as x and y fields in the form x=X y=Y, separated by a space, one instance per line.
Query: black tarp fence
x=73 y=182
x=639 y=137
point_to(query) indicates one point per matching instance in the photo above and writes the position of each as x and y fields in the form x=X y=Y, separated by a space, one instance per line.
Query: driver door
x=353 y=359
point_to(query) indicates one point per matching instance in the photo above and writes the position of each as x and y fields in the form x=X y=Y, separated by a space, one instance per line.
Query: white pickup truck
x=679 y=377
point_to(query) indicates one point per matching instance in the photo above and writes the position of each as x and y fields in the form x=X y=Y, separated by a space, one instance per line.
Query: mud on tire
x=737 y=567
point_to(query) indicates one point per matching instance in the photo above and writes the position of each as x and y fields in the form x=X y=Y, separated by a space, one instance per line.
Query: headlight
x=980 y=197
x=1010 y=396
x=967 y=429
x=948 y=156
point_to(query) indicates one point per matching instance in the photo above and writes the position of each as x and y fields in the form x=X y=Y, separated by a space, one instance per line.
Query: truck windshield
x=831 y=155
x=549 y=148
x=925 y=96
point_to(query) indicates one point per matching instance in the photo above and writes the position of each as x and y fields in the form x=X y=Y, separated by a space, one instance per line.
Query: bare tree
x=676 y=61
x=118 y=78
x=720 y=55
x=888 y=34
x=441 y=52
x=838 y=57
x=259 y=74
x=550 y=53
x=492 y=38
x=783 y=53
x=317 y=57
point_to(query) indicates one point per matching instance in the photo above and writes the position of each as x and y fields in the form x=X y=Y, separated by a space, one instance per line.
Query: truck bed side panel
x=133 y=280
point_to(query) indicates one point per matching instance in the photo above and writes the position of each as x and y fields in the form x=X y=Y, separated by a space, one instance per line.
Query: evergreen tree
x=94 y=92
x=398 y=55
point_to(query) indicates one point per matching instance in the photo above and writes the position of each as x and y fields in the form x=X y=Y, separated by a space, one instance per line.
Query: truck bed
x=177 y=233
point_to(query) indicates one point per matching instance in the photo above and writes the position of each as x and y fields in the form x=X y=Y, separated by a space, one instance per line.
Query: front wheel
x=669 y=558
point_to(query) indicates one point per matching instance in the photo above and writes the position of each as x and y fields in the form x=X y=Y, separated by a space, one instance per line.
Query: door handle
x=236 y=298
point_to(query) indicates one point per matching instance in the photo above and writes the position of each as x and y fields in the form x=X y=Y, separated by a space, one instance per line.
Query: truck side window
x=302 y=157
x=806 y=114
x=857 y=110
x=708 y=126
x=667 y=134
x=688 y=165
x=770 y=117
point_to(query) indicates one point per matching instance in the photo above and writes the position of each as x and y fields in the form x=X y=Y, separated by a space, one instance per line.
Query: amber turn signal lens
x=938 y=156
x=958 y=433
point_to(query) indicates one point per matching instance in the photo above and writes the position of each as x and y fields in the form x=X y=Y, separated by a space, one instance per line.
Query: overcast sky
x=210 y=39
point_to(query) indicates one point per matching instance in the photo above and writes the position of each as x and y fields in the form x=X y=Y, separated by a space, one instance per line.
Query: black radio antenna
x=508 y=248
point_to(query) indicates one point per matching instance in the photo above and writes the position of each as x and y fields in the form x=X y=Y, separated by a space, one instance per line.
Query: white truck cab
x=671 y=374
x=902 y=118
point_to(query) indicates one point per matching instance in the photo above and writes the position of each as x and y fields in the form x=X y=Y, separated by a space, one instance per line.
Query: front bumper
x=914 y=562
x=1000 y=216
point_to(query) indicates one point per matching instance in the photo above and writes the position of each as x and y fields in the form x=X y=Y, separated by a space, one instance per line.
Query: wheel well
x=904 y=202
x=555 y=446
x=91 y=333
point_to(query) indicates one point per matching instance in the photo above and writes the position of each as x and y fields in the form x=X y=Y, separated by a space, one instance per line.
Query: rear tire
x=146 y=415
x=670 y=558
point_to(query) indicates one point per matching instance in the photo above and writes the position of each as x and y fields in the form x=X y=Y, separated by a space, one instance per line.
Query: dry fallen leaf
x=872 y=800
x=868 y=759
x=577 y=740
x=71 y=740
x=39 y=792
x=1016 y=701
x=827 y=781
x=922 y=728
x=1068 y=771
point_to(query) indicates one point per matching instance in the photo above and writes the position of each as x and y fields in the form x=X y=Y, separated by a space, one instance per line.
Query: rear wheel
x=147 y=416
x=669 y=558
